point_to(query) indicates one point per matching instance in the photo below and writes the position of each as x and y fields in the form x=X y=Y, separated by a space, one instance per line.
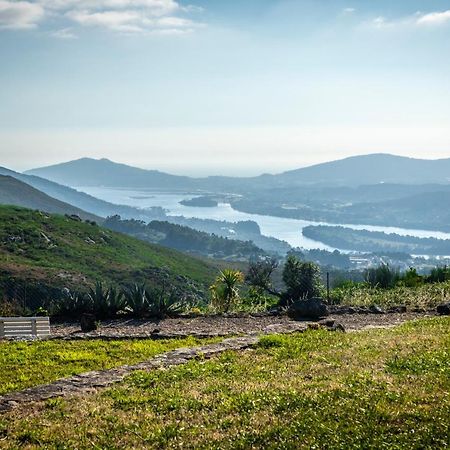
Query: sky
x=235 y=87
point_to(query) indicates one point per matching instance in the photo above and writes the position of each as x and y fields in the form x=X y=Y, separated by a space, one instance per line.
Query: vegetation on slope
x=376 y=241
x=373 y=389
x=61 y=252
x=184 y=238
x=15 y=192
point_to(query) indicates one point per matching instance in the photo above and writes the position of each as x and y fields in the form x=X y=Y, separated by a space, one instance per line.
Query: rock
x=88 y=323
x=332 y=325
x=313 y=308
x=397 y=309
x=444 y=309
x=375 y=309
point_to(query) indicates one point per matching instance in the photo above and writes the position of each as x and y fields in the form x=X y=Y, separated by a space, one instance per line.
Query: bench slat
x=24 y=326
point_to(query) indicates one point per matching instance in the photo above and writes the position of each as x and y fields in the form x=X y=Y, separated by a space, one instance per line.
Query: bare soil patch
x=224 y=325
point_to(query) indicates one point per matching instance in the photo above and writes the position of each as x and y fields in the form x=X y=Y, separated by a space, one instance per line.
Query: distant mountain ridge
x=353 y=171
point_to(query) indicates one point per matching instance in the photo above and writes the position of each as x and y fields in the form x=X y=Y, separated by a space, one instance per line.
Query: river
x=289 y=230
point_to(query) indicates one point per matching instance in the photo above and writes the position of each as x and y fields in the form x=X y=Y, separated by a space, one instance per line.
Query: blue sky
x=234 y=87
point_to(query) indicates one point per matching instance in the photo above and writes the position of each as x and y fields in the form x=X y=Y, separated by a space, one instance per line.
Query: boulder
x=313 y=308
x=88 y=323
x=444 y=309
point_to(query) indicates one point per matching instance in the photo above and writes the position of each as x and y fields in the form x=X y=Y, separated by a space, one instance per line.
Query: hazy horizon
x=208 y=87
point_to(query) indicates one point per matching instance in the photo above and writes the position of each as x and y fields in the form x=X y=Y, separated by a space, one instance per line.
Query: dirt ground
x=225 y=325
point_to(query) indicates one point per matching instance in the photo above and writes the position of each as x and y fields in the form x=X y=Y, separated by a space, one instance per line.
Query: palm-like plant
x=225 y=291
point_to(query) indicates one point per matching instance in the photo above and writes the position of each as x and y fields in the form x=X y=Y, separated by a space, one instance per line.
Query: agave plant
x=164 y=303
x=136 y=299
x=116 y=301
x=98 y=296
x=72 y=304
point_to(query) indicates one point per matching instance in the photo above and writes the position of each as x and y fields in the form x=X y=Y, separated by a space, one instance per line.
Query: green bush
x=383 y=276
x=302 y=279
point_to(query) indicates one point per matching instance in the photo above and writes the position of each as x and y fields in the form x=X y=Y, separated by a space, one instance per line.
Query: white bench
x=24 y=327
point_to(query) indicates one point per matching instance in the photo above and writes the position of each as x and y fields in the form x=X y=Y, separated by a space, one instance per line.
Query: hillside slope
x=82 y=200
x=57 y=251
x=15 y=192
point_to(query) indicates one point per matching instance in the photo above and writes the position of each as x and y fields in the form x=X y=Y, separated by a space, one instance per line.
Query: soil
x=224 y=325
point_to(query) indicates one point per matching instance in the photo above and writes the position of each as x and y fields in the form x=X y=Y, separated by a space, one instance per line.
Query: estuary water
x=289 y=230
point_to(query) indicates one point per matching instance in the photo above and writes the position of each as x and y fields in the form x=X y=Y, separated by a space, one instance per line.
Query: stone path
x=90 y=381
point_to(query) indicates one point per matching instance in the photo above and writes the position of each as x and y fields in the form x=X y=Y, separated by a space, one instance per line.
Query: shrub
x=411 y=278
x=438 y=275
x=302 y=280
x=382 y=276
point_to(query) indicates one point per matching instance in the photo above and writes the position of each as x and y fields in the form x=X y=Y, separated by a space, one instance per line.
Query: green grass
x=373 y=389
x=26 y=364
x=421 y=296
x=61 y=251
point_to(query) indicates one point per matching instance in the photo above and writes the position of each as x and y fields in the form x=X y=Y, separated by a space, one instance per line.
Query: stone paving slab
x=91 y=381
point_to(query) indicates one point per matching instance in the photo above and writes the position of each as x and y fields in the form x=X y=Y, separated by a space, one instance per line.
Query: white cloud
x=151 y=7
x=124 y=16
x=434 y=18
x=133 y=21
x=418 y=19
x=349 y=10
x=64 y=33
x=20 y=15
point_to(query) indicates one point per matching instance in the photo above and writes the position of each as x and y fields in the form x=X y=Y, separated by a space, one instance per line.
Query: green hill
x=56 y=251
x=15 y=192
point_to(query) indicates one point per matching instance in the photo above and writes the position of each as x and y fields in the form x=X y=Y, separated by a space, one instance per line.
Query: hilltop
x=57 y=251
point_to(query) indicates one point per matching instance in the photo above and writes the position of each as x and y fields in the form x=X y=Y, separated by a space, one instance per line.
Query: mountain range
x=352 y=171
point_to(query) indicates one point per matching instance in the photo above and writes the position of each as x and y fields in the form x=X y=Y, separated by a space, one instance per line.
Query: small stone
x=88 y=323
x=444 y=309
x=375 y=309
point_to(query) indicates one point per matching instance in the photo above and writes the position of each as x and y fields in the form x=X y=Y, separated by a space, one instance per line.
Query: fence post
x=33 y=327
x=2 y=328
x=328 y=287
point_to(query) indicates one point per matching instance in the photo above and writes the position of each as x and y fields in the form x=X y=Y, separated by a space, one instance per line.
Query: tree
x=259 y=275
x=225 y=292
x=302 y=279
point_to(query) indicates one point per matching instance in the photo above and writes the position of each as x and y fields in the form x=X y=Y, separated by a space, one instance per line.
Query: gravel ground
x=225 y=325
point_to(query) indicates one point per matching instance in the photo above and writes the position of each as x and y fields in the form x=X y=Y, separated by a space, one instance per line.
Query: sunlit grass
x=371 y=389
x=25 y=364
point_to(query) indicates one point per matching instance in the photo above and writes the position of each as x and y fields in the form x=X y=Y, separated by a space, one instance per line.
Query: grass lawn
x=372 y=389
x=25 y=364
